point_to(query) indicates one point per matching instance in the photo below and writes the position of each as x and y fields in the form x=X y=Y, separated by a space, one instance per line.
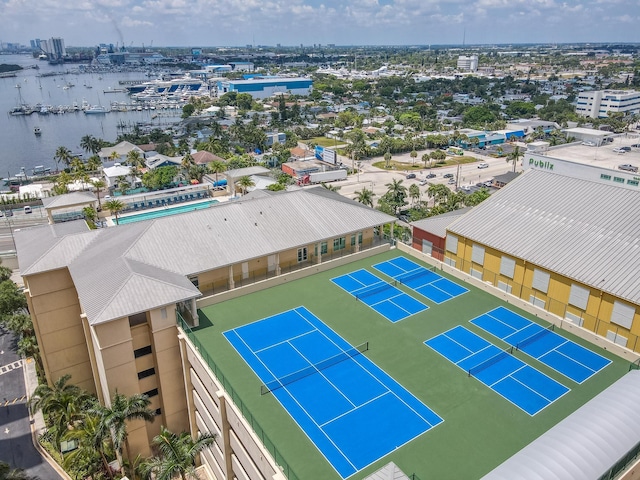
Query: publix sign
x=545 y=164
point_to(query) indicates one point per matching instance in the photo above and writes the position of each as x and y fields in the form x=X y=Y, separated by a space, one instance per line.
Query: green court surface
x=480 y=430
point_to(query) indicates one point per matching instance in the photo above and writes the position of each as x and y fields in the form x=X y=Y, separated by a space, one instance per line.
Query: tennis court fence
x=313 y=368
x=413 y=275
x=235 y=398
x=536 y=336
x=473 y=371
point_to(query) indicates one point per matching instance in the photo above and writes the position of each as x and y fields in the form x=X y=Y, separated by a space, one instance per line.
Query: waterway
x=20 y=147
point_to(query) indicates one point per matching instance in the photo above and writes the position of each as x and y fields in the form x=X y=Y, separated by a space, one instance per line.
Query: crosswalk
x=10 y=367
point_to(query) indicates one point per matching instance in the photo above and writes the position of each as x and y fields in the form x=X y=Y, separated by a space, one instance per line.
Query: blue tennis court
x=566 y=357
x=384 y=298
x=426 y=282
x=510 y=377
x=348 y=407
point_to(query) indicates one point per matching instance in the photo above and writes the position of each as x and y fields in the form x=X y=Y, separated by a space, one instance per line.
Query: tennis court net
x=413 y=275
x=490 y=361
x=314 y=368
x=532 y=338
x=371 y=290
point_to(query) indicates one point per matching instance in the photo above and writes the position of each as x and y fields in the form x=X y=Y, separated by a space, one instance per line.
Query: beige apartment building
x=104 y=302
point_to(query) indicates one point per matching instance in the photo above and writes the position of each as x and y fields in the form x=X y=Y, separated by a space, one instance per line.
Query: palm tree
x=6 y=473
x=63 y=154
x=94 y=163
x=426 y=158
x=387 y=159
x=89 y=143
x=123 y=184
x=413 y=156
x=331 y=188
x=113 y=156
x=514 y=156
x=396 y=192
x=114 y=418
x=178 y=454
x=93 y=446
x=114 y=206
x=98 y=185
x=365 y=197
x=414 y=192
x=134 y=158
x=62 y=403
x=244 y=183
x=217 y=167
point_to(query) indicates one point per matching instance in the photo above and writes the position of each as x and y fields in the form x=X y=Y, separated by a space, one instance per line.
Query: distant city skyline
x=294 y=22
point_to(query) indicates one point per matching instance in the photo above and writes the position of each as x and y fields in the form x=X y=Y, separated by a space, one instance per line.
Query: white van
x=27 y=209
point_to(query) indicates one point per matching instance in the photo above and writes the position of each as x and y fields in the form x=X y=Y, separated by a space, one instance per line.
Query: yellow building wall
x=596 y=317
x=55 y=312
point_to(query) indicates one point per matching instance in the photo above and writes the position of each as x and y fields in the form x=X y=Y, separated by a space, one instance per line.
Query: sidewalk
x=37 y=420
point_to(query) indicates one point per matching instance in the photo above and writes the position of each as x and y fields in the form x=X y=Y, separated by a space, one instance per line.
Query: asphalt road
x=16 y=447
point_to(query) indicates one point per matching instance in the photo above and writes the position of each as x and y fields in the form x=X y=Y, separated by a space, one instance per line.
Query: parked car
x=27 y=209
x=483 y=165
x=431 y=175
x=589 y=144
x=424 y=182
x=628 y=167
x=8 y=213
x=466 y=188
x=411 y=175
x=619 y=150
x=626 y=149
x=448 y=175
x=451 y=181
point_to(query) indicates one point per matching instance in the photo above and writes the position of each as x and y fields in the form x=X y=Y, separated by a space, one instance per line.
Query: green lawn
x=326 y=142
x=480 y=429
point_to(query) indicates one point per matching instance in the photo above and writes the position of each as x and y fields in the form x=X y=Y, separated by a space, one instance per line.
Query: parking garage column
x=278 y=269
x=319 y=255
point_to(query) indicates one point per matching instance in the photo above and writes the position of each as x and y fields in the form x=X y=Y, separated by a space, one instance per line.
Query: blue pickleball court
x=566 y=357
x=384 y=298
x=426 y=282
x=349 y=408
x=508 y=376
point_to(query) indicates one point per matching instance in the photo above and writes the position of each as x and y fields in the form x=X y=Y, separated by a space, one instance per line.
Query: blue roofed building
x=260 y=87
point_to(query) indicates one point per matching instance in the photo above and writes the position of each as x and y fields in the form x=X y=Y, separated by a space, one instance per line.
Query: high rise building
x=468 y=63
x=597 y=103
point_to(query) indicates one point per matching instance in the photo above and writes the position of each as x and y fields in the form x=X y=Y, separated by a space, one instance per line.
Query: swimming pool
x=165 y=212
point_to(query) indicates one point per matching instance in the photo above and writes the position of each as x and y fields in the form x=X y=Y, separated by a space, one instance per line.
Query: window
x=158 y=411
x=579 y=296
x=450 y=261
x=538 y=302
x=540 y=280
x=507 y=266
x=618 y=180
x=339 y=243
x=151 y=393
x=360 y=238
x=633 y=182
x=622 y=314
x=427 y=247
x=477 y=254
x=163 y=313
x=146 y=373
x=617 y=339
x=452 y=243
x=605 y=177
x=302 y=254
x=505 y=287
x=324 y=248
x=141 y=352
x=353 y=240
x=476 y=273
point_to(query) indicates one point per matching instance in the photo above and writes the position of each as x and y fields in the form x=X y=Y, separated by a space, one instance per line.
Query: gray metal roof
x=135 y=267
x=438 y=225
x=48 y=247
x=584 y=445
x=587 y=231
x=247 y=171
x=69 y=200
x=389 y=472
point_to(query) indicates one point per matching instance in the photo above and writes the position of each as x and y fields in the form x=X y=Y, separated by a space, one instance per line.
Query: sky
x=201 y=23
